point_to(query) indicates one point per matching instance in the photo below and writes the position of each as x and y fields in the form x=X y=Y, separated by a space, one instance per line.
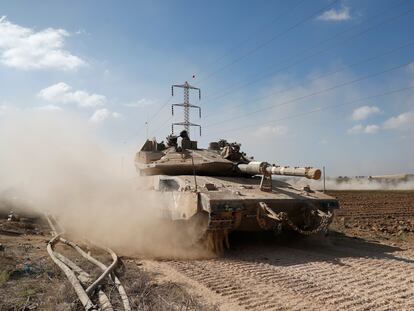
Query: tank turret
x=225 y=159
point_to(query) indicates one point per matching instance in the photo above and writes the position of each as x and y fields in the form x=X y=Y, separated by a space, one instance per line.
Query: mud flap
x=217 y=241
x=185 y=205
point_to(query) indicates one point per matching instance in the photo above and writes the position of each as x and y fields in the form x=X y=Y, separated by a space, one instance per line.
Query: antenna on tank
x=186 y=104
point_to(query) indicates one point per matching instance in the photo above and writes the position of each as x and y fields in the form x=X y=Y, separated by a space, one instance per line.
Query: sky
x=318 y=83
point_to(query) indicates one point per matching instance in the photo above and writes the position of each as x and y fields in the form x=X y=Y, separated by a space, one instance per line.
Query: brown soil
x=29 y=280
x=384 y=215
x=366 y=262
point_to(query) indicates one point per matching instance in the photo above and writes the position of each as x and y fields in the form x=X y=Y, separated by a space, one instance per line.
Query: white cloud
x=371 y=129
x=364 y=112
x=368 y=129
x=139 y=103
x=25 y=48
x=355 y=129
x=334 y=15
x=402 y=121
x=279 y=130
x=63 y=93
x=101 y=115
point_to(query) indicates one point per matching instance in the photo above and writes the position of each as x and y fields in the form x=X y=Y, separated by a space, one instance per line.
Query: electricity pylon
x=186 y=104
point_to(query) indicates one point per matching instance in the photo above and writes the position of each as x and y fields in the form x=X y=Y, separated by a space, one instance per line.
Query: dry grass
x=44 y=287
x=29 y=280
x=147 y=293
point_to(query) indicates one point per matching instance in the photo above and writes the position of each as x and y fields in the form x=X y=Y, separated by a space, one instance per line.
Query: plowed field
x=383 y=212
x=347 y=270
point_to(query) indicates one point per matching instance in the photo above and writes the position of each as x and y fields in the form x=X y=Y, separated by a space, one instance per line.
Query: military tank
x=220 y=189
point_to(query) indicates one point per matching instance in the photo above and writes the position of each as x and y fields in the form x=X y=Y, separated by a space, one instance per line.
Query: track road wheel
x=217 y=241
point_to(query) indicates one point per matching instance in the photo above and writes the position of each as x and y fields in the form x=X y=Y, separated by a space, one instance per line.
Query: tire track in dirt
x=202 y=293
x=308 y=278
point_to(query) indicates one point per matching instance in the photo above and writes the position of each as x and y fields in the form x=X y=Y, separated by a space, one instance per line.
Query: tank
x=219 y=189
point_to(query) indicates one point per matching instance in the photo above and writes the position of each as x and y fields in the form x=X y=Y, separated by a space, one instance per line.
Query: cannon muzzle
x=264 y=168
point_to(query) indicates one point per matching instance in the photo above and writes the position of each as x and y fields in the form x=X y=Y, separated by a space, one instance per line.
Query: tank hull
x=221 y=205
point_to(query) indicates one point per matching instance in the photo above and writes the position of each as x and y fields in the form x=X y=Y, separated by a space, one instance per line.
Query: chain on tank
x=282 y=217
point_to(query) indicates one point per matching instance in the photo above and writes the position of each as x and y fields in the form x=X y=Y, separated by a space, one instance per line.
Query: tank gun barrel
x=264 y=168
x=308 y=172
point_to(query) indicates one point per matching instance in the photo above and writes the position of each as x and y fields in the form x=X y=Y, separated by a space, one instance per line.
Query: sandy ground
x=339 y=273
x=366 y=263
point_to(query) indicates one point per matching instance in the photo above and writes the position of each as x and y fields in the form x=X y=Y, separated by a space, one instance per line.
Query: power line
x=285 y=13
x=365 y=77
x=162 y=125
x=265 y=43
x=260 y=77
x=151 y=118
x=309 y=95
x=252 y=34
x=161 y=108
x=297 y=24
x=321 y=76
x=324 y=108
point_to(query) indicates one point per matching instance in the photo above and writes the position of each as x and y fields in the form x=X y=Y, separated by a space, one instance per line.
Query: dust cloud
x=56 y=164
x=356 y=184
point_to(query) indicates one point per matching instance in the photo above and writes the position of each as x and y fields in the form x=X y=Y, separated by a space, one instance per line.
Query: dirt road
x=338 y=274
